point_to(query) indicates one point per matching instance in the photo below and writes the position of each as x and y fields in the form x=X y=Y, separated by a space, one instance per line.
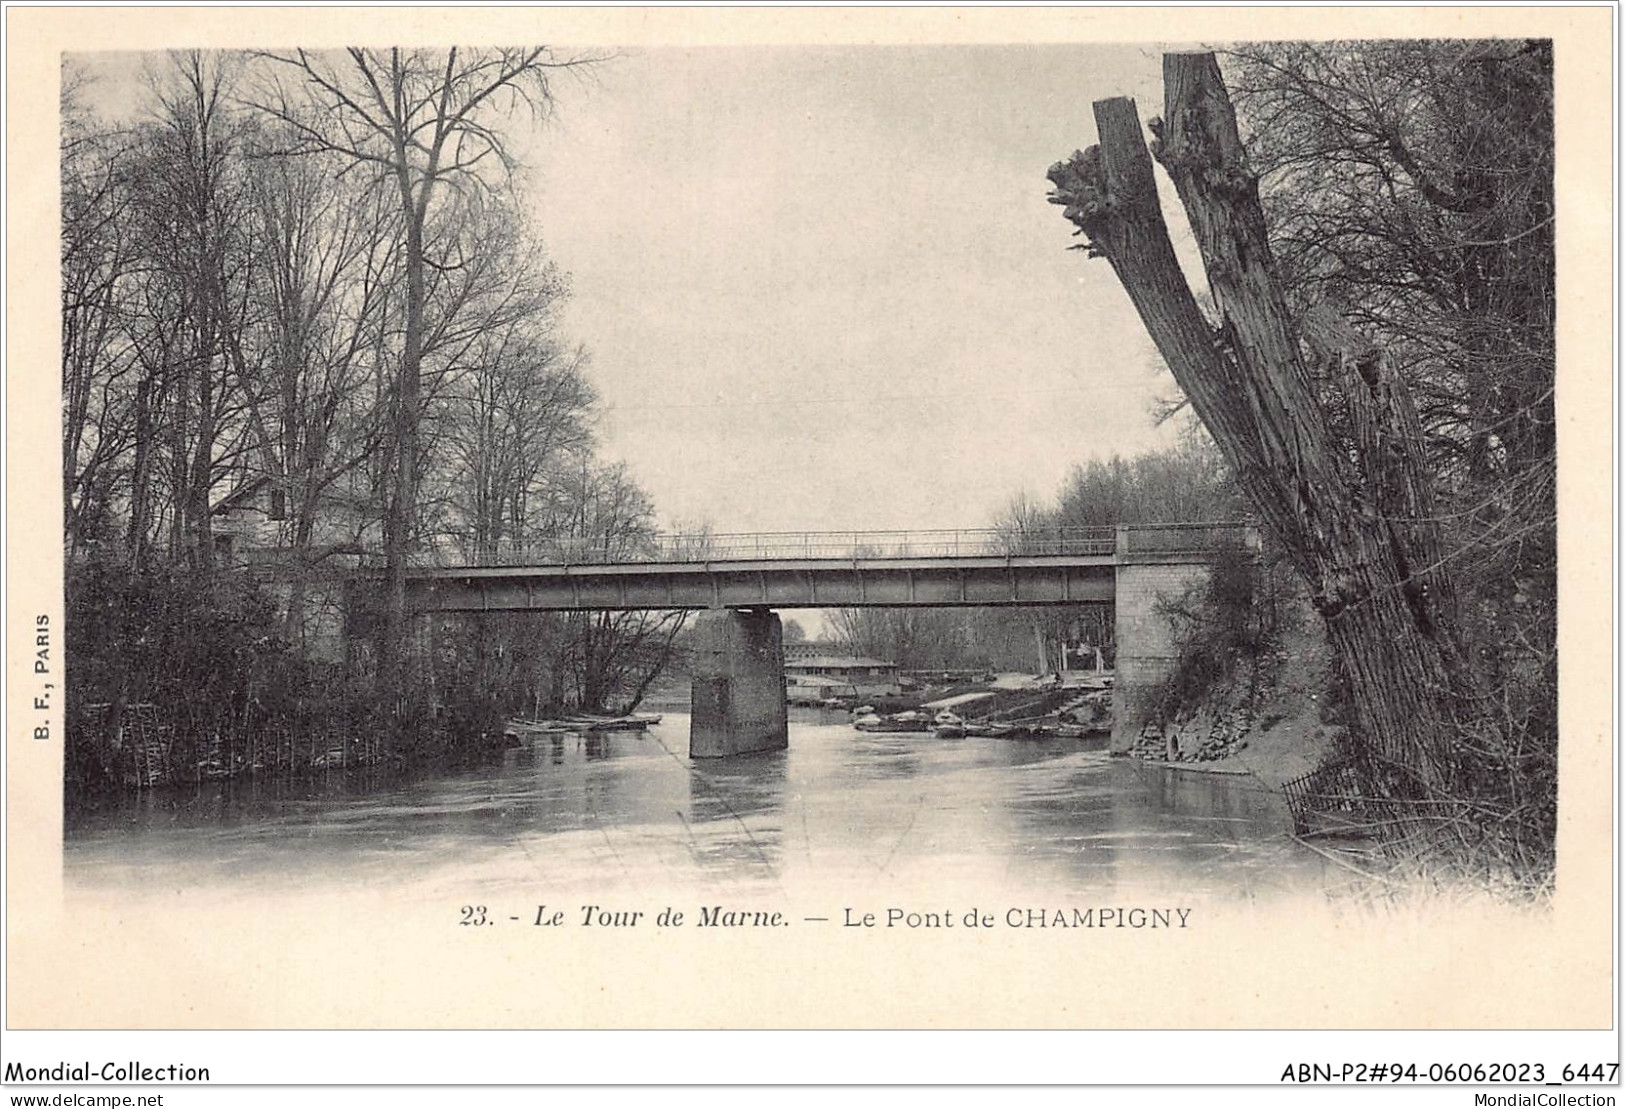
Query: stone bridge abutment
x=1146 y=651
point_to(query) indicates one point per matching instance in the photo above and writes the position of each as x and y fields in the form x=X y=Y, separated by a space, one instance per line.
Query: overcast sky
x=823 y=288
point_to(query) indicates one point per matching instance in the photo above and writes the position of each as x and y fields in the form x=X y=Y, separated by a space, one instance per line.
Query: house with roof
x=867 y=677
x=252 y=528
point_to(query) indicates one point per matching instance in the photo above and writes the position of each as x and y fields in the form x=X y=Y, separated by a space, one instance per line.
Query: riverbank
x=1277 y=730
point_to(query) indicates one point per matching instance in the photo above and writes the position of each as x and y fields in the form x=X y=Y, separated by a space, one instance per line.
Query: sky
x=823 y=288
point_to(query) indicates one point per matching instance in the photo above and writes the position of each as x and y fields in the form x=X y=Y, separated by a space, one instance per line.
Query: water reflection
x=735 y=817
x=631 y=810
x=882 y=755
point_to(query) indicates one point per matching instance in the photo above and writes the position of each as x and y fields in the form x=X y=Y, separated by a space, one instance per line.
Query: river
x=630 y=813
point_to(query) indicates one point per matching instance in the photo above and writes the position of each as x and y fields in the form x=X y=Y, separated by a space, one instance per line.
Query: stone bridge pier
x=738 y=703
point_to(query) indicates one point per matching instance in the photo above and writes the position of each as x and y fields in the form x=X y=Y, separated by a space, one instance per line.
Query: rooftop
x=838 y=660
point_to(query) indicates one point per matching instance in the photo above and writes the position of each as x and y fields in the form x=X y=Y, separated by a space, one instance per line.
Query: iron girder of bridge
x=738 y=700
x=772 y=583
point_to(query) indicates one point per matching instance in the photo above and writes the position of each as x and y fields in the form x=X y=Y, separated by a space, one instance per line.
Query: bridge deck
x=771 y=583
x=829 y=570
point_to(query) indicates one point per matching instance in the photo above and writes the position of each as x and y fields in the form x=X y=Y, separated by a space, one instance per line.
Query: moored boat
x=897 y=722
x=519 y=731
x=986 y=728
x=593 y=723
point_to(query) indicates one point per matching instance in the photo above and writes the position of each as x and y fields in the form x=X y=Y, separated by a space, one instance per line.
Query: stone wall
x=1146 y=653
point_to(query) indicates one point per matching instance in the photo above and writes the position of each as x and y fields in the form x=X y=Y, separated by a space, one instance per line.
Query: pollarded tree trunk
x=1355 y=518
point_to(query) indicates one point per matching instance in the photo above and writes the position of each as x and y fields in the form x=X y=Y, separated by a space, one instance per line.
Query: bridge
x=891 y=569
x=737 y=581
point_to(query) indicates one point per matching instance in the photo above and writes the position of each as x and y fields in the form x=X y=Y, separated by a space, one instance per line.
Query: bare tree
x=99 y=363
x=1364 y=536
x=329 y=268
x=520 y=412
x=1411 y=183
x=422 y=124
x=609 y=654
x=189 y=298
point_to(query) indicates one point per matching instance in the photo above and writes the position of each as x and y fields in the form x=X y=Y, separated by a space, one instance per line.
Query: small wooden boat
x=520 y=732
x=524 y=728
x=591 y=723
x=897 y=722
x=948 y=725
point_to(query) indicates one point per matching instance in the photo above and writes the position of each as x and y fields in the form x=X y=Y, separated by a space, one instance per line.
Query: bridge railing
x=1199 y=538
x=943 y=543
x=766 y=546
x=1144 y=539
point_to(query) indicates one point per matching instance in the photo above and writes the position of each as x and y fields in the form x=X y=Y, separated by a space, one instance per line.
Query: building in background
x=867 y=677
